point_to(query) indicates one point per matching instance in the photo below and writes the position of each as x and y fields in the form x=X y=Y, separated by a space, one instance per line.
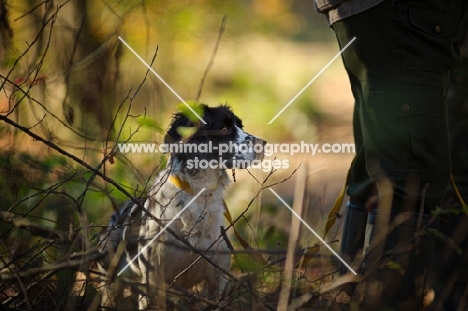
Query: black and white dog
x=186 y=199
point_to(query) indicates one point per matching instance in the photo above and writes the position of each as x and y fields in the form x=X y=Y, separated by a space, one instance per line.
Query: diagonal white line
x=161 y=79
x=160 y=232
x=311 y=81
x=312 y=230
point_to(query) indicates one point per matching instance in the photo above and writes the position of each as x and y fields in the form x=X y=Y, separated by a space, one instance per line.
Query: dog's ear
x=178 y=120
x=181 y=121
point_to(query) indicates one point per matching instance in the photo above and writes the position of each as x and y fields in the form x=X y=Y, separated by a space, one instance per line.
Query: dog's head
x=220 y=143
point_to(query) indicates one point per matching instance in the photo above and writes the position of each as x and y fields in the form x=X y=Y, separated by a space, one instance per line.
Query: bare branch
x=116 y=185
x=210 y=63
x=45 y=232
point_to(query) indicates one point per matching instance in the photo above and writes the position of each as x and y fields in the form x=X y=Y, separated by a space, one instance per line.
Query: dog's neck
x=192 y=181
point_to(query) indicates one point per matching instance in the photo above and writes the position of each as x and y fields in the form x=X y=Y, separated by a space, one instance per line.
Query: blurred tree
x=6 y=33
x=89 y=64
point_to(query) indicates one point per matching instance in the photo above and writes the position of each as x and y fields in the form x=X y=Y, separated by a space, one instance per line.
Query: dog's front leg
x=146 y=264
x=156 y=279
x=151 y=262
x=217 y=281
x=152 y=278
x=224 y=263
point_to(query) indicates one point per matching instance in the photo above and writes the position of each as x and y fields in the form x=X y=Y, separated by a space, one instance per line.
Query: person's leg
x=401 y=72
x=360 y=189
x=401 y=111
x=450 y=268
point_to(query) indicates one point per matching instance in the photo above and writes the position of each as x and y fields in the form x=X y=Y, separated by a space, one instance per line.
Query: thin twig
x=45 y=232
x=66 y=264
x=119 y=188
x=300 y=189
x=213 y=54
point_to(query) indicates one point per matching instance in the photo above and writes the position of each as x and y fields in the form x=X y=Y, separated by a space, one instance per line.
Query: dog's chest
x=199 y=220
x=202 y=220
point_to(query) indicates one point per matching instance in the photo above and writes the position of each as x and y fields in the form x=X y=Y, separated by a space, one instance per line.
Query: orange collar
x=179 y=183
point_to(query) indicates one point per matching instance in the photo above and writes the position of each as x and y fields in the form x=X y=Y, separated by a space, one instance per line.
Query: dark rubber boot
x=354 y=228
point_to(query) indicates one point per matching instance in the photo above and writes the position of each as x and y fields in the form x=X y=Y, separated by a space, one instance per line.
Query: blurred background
x=66 y=77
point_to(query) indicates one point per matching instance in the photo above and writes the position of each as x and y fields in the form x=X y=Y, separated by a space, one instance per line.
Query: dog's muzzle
x=259 y=155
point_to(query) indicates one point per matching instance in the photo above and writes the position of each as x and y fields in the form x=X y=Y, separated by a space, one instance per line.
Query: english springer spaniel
x=183 y=212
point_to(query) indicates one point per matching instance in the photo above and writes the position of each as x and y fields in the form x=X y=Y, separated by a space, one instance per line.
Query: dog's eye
x=224 y=130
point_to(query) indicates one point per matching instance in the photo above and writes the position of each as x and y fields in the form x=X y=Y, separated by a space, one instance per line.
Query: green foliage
x=148 y=122
x=191 y=111
x=186 y=132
